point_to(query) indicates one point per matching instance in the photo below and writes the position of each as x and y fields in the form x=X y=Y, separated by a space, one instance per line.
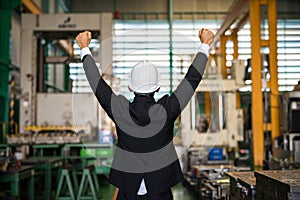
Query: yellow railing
x=54 y=128
x=3 y=126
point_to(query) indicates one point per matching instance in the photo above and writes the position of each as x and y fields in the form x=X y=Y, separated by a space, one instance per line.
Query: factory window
x=288 y=54
x=138 y=40
x=288 y=32
x=77 y=75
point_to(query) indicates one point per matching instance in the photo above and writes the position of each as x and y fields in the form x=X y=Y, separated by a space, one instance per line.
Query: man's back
x=145 y=160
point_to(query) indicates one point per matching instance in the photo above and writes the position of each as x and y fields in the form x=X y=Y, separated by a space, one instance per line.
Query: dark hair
x=151 y=94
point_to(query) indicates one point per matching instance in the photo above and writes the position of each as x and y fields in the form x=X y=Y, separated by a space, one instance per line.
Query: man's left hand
x=83 y=39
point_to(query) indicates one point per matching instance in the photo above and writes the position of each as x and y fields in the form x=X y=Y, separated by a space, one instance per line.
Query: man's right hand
x=206 y=36
x=84 y=39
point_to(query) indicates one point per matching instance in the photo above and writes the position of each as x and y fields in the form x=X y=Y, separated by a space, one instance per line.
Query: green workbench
x=100 y=150
x=45 y=166
x=41 y=148
x=15 y=176
x=89 y=153
x=4 y=150
x=8 y=149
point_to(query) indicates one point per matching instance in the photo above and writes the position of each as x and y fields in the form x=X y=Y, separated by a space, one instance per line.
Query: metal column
x=223 y=41
x=235 y=56
x=234 y=38
x=272 y=20
x=256 y=62
x=6 y=7
x=207 y=104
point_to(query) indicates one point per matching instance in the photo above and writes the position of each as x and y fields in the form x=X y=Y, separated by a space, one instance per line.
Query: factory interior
x=238 y=137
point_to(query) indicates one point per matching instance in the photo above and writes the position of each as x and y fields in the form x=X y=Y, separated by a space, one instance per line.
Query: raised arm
x=188 y=85
x=90 y=68
x=206 y=38
x=101 y=89
x=199 y=62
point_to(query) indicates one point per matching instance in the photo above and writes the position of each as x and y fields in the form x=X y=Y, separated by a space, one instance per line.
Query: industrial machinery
x=286 y=151
x=213 y=139
x=294 y=126
x=58 y=117
x=224 y=126
x=209 y=181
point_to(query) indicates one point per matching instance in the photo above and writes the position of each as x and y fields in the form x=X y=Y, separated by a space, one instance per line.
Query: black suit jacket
x=128 y=171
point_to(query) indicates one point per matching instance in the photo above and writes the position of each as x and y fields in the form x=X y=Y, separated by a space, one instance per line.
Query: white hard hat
x=144 y=78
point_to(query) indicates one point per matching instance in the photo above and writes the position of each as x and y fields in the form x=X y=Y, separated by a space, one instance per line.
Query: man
x=145 y=164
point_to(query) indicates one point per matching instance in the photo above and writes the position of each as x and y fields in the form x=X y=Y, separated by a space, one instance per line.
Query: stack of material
x=242 y=185
x=278 y=185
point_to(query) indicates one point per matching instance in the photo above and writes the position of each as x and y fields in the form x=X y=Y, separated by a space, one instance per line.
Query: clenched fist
x=83 y=39
x=206 y=36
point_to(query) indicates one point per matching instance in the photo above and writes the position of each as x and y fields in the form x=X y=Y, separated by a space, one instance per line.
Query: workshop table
x=94 y=152
x=4 y=150
x=74 y=149
x=15 y=176
x=46 y=166
x=278 y=184
x=8 y=149
x=41 y=148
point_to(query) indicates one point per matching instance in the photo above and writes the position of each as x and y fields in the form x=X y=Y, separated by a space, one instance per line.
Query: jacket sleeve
x=101 y=89
x=185 y=90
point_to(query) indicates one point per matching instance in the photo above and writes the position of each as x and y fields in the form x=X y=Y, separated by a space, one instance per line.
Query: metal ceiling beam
x=32 y=7
x=237 y=8
x=241 y=24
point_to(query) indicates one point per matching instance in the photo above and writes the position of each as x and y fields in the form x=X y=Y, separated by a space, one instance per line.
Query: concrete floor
x=179 y=192
x=107 y=191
